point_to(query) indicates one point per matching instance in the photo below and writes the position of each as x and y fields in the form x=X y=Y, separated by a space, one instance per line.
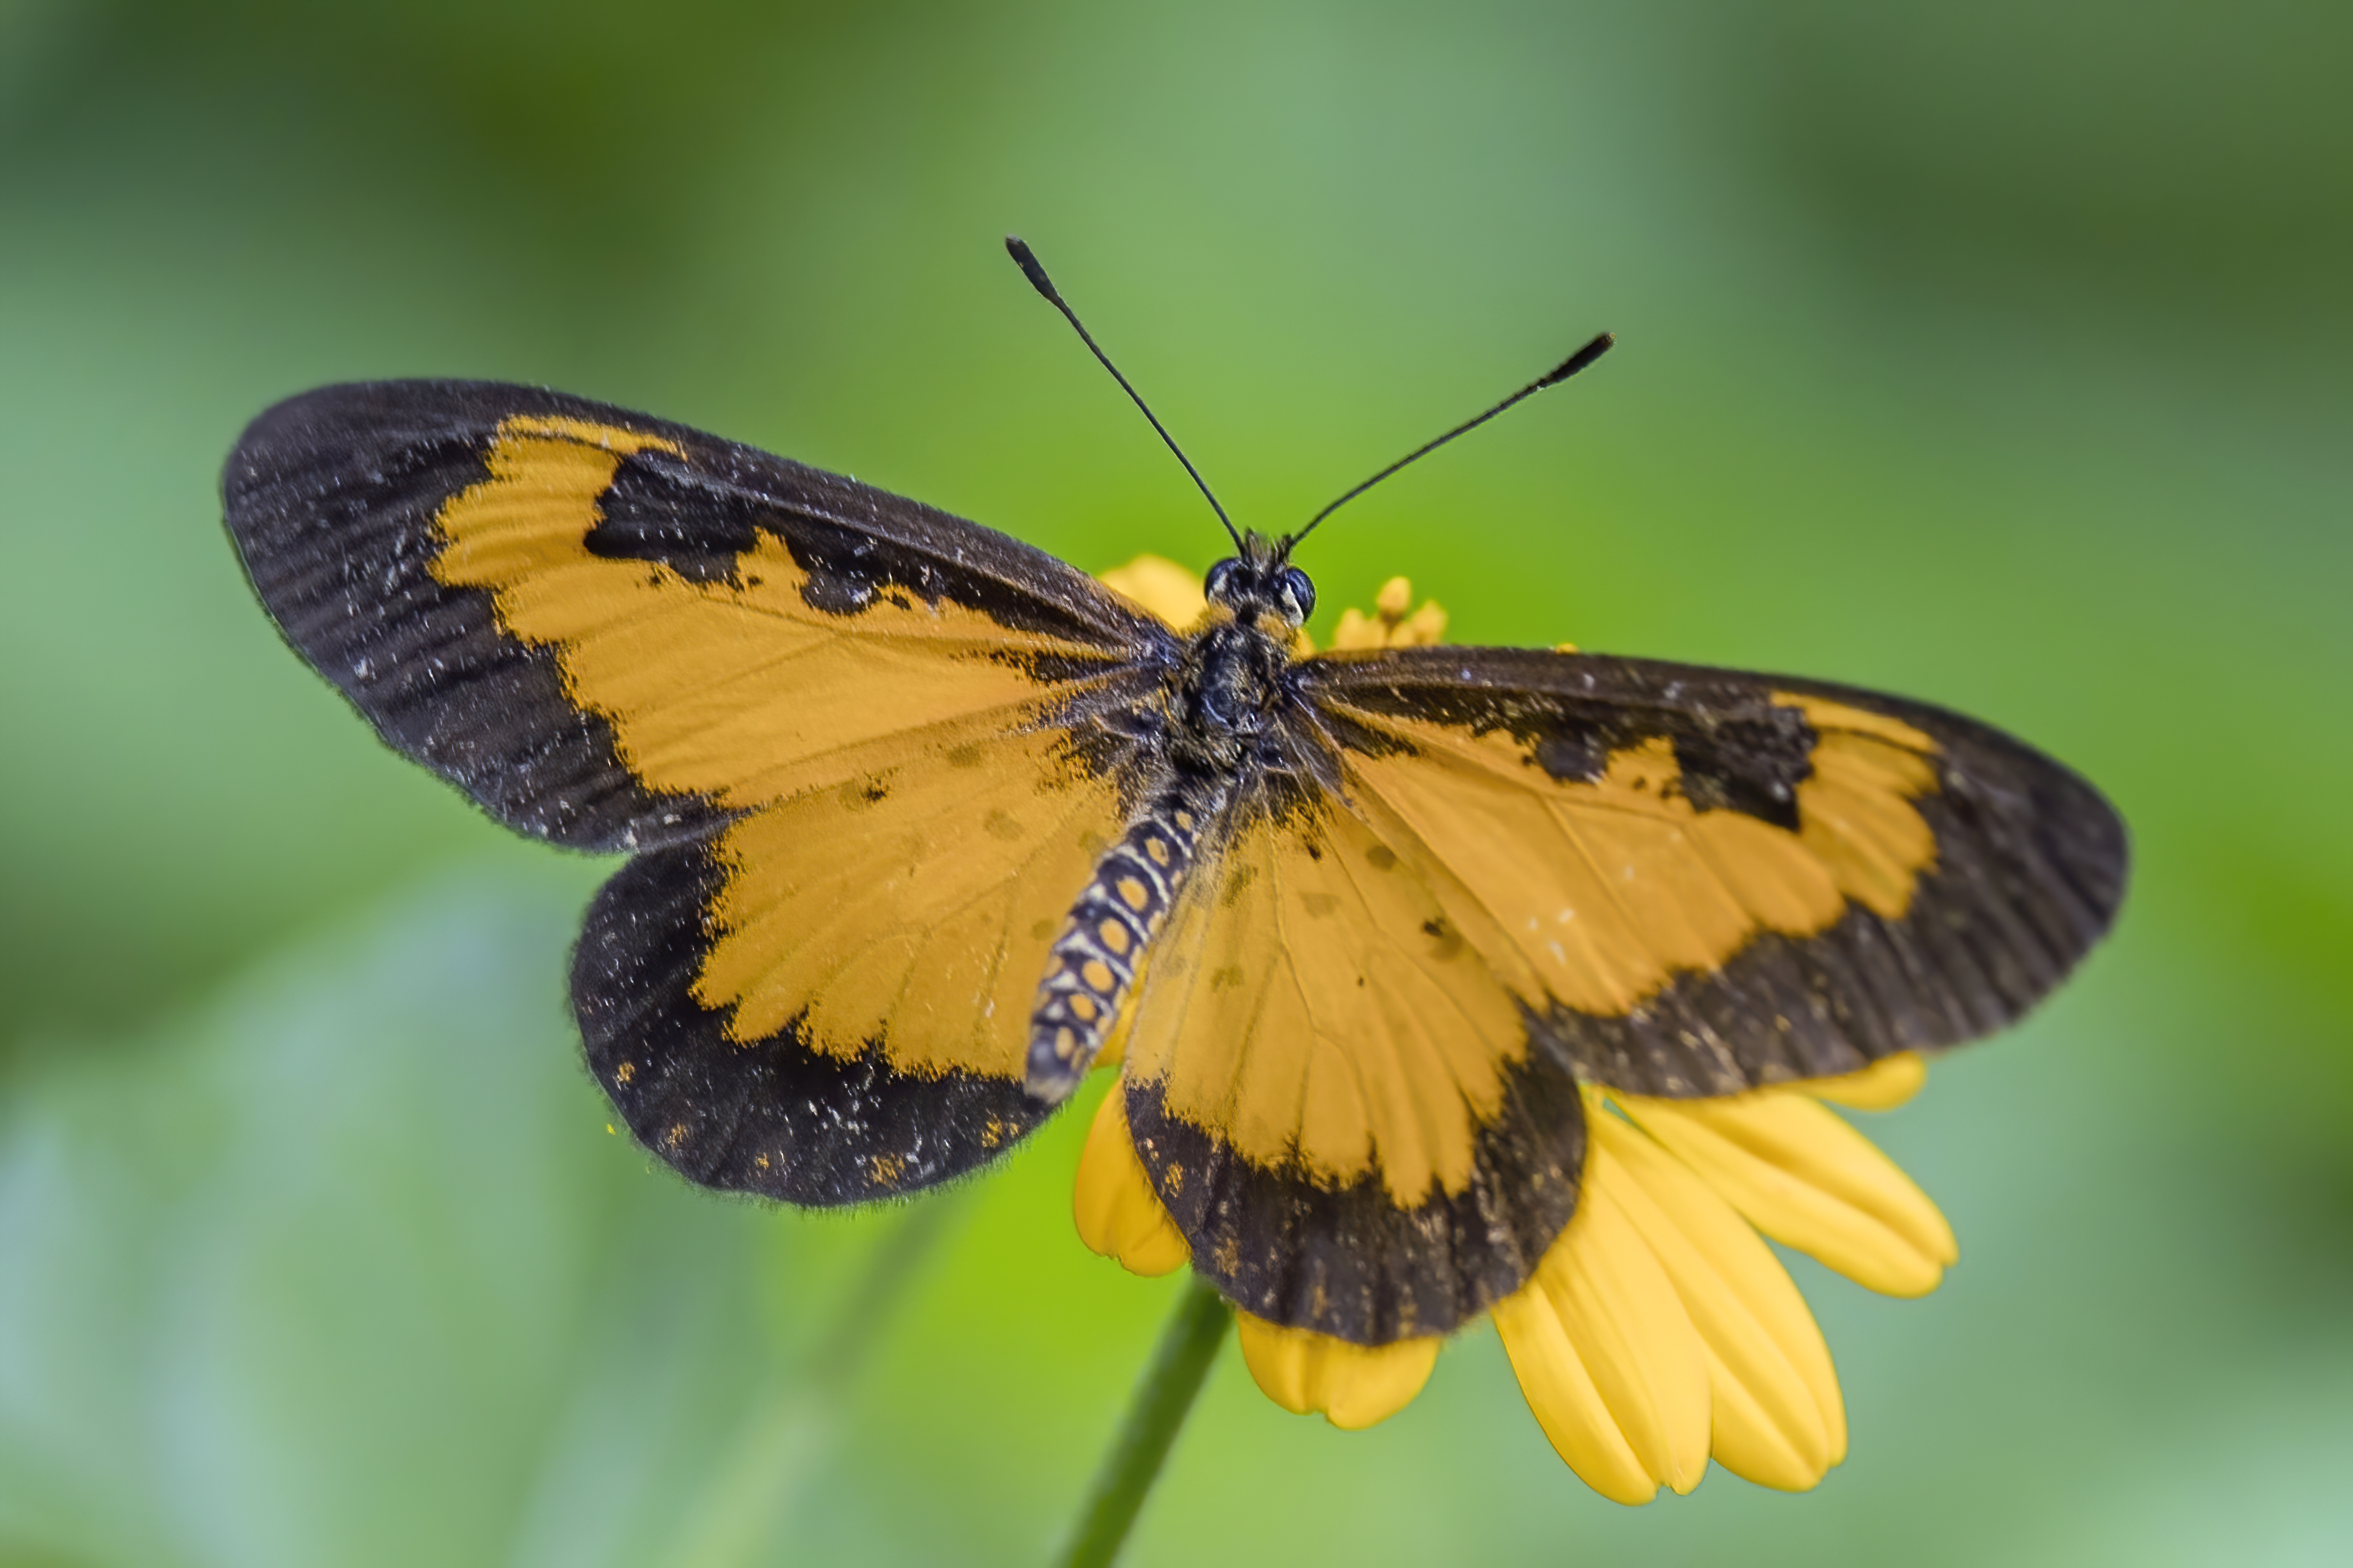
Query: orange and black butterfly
x=916 y=813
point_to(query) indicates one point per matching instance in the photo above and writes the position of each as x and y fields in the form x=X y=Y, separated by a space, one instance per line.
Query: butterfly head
x=1261 y=585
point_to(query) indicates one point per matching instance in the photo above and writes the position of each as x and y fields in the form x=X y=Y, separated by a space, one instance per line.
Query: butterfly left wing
x=867 y=749
x=1703 y=881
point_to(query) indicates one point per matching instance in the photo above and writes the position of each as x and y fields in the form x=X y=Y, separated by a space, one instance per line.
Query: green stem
x=1188 y=1346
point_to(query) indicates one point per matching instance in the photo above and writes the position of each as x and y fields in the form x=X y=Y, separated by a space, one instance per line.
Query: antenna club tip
x=1601 y=344
x=1031 y=267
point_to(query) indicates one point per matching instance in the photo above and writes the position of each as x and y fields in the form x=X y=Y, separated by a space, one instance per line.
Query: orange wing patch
x=1855 y=814
x=911 y=908
x=1333 y=1095
x=1595 y=895
x=1313 y=1002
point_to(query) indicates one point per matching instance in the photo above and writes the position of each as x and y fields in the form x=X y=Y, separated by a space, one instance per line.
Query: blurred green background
x=1993 y=353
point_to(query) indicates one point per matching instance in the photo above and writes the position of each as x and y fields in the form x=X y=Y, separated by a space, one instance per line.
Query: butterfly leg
x=1094 y=962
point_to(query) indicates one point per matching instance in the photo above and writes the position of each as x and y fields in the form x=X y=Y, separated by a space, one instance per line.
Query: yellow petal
x=1352 y=1387
x=1807 y=1179
x=1112 y=1201
x=1568 y=1406
x=1882 y=1086
x=1356 y=630
x=1818 y=1146
x=1388 y=625
x=1619 y=1309
x=1777 y=1414
x=1607 y=1355
x=1161 y=586
x=1753 y=1439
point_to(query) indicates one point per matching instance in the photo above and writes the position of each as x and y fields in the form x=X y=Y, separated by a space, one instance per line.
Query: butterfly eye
x=1302 y=591
x=1219 y=583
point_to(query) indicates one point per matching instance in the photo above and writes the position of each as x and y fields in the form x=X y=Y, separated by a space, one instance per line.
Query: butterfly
x=921 y=818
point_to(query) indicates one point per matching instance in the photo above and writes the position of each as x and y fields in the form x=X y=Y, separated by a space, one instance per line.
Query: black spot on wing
x=645 y=515
x=1346 y=1261
x=1573 y=756
x=773 y=1116
x=1748 y=762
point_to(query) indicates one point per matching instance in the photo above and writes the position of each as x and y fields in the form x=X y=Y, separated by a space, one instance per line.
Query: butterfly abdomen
x=1094 y=962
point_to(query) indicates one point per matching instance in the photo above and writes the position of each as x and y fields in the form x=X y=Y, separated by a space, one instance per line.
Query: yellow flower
x=1175 y=595
x=1162 y=587
x=1659 y=1330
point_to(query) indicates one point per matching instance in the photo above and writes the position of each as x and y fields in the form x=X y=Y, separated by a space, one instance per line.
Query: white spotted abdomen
x=1095 y=961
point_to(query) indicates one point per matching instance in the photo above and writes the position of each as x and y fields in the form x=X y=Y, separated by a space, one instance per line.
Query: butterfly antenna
x=1584 y=356
x=1027 y=259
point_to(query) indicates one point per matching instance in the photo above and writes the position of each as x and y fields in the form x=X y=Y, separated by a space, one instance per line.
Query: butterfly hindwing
x=1707 y=882
x=866 y=749
x=828 y=1001
x=1333 y=1094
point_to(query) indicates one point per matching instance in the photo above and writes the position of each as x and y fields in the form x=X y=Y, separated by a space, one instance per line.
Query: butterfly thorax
x=1231 y=677
x=1225 y=692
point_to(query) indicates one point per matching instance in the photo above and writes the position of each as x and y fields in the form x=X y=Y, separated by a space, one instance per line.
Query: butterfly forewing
x=612 y=630
x=876 y=747
x=1707 y=881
